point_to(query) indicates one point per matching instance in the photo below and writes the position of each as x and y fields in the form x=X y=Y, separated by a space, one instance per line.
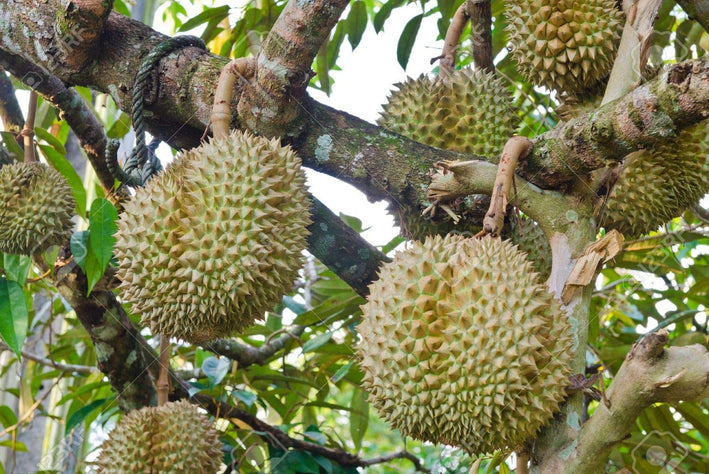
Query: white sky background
x=360 y=88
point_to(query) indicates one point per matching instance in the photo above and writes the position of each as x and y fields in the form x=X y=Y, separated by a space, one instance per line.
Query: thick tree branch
x=120 y=348
x=246 y=355
x=655 y=111
x=270 y=105
x=697 y=10
x=281 y=440
x=78 y=32
x=480 y=13
x=72 y=108
x=10 y=112
x=650 y=374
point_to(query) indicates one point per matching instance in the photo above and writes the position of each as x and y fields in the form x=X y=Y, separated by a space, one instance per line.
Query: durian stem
x=163 y=385
x=28 y=130
x=515 y=149
x=240 y=68
x=450 y=46
x=522 y=463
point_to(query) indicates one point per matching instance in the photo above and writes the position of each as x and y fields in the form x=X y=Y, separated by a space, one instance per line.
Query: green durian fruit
x=461 y=344
x=469 y=111
x=172 y=439
x=565 y=45
x=530 y=239
x=209 y=245
x=37 y=208
x=660 y=183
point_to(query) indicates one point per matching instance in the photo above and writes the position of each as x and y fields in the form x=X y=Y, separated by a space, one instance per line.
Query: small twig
x=28 y=130
x=515 y=149
x=398 y=455
x=450 y=46
x=30 y=411
x=240 y=68
x=701 y=213
x=163 y=385
x=66 y=368
x=41 y=277
x=480 y=14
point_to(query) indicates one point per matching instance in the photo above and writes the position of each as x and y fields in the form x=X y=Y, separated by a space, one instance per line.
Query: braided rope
x=142 y=163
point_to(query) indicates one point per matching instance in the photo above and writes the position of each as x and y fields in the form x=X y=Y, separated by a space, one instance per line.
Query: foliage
x=311 y=388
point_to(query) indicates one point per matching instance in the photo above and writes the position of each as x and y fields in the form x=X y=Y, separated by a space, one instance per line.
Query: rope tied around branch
x=142 y=163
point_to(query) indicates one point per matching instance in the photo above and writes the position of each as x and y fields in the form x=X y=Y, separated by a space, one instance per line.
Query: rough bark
x=179 y=110
x=271 y=105
x=78 y=30
x=650 y=374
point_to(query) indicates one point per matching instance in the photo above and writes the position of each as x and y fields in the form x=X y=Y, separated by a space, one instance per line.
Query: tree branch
x=697 y=10
x=78 y=30
x=653 y=112
x=246 y=355
x=270 y=105
x=66 y=368
x=72 y=108
x=650 y=374
x=480 y=13
x=10 y=112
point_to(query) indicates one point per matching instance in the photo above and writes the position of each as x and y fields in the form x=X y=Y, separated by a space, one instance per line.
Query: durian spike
x=221 y=111
x=163 y=385
x=28 y=130
x=515 y=149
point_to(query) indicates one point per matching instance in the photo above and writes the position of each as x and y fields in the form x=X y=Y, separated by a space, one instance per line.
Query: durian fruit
x=171 y=439
x=461 y=344
x=468 y=111
x=209 y=245
x=565 y=45
x=37 y=208
x=530 y=239
x=658 y=184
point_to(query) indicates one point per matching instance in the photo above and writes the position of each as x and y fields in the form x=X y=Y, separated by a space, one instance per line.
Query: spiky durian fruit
x=172 y=439
x=209 y=245
x=658 y=184
x=37 y=208
x=468 y=111
x=565 y=45
x=531 y=240
x=461 y=344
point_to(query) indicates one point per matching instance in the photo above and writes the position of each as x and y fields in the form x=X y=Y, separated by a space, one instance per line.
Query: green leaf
x=316 y=342
x=356 y=23
x=341 y=372
x=102 y=226
x=352 y=221
x=407 y=40
x=7 y=416
x=119 y=127
x=446 y=7
x=79 y=245
x=384 y=13
x=80 y=415
x=60 y=163
x=17 y=267
x=216 y=14
x=13 y=314
x=359 y=417
x=51 y=139
x=215 y=369
x=8 y=139
x=301 y=462
x=249 y=398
